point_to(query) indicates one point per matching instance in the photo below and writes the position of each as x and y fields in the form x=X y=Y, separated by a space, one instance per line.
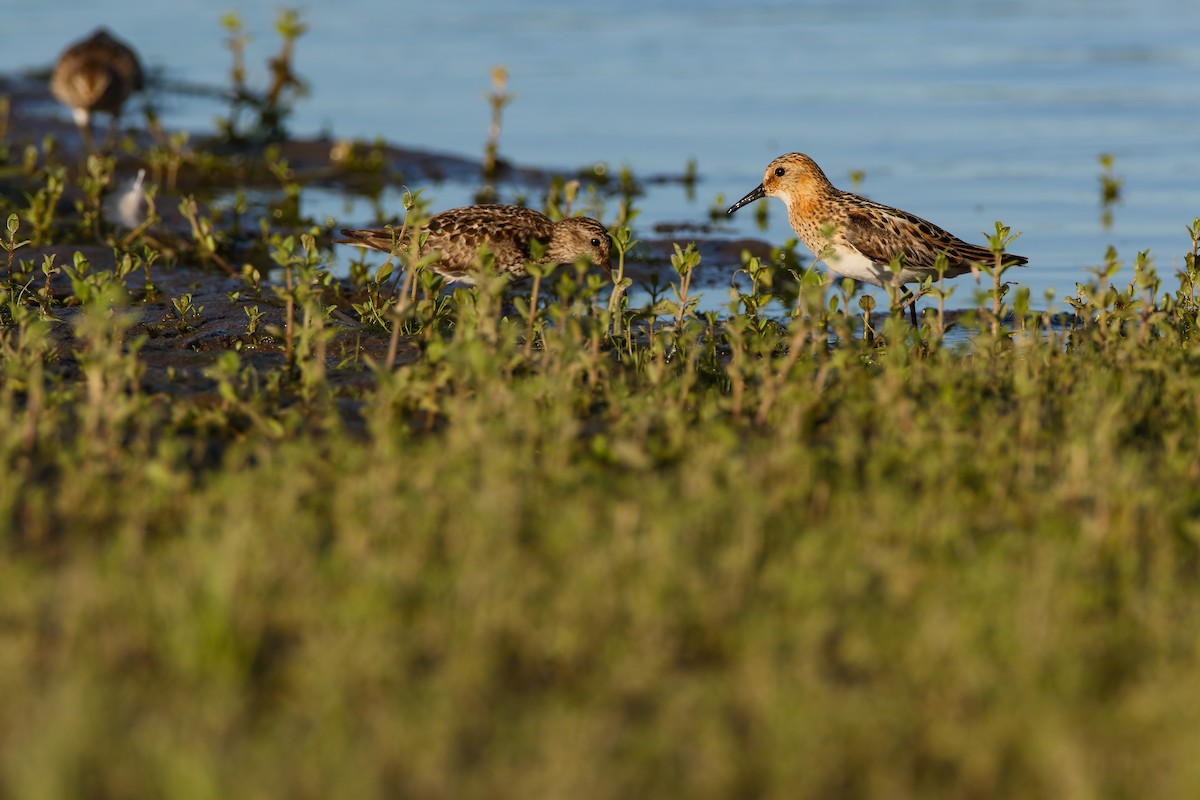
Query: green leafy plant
x=268 y=108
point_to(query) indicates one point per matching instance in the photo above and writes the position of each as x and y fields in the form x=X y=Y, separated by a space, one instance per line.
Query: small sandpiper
x=859 y=238
x=508 y=231
x=96 y=74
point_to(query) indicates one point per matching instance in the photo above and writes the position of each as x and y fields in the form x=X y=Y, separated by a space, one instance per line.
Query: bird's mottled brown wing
x=882 y=233
x=508 y=226
x=458 y=234
x=507 y=231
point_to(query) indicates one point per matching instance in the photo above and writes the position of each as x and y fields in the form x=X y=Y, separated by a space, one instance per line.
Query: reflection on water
x=961 y=112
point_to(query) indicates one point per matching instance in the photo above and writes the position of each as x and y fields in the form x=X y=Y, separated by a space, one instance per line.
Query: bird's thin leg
x=910 y=300
x=114 y=132
x=85 y=128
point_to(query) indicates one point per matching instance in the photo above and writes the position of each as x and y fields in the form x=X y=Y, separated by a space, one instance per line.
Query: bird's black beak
x=758 y=194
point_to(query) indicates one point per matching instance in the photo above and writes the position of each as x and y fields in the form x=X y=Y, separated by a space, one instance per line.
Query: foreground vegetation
x=701 y=556
x=269 y=533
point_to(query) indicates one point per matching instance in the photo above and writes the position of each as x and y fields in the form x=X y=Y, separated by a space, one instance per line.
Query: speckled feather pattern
x=859 y=237
x=508 y=231
x=96 y=74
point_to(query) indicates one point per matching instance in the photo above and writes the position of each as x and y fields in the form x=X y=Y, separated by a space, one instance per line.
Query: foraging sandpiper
x=96 y=74
x=859 y=238
x=458 y=234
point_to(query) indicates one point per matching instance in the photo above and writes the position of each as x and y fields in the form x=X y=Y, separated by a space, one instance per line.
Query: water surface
x=961 y=112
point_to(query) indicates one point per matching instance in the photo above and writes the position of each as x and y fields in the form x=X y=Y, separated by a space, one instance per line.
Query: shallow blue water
x=961 y=112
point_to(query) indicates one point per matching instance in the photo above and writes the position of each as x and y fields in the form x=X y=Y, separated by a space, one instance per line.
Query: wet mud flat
x=178 y=350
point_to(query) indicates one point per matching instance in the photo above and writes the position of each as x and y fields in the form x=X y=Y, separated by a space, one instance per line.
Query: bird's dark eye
x=595 y=242
x=779 y=172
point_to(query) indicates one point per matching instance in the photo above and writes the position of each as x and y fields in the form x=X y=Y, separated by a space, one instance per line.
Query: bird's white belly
x=852 y=264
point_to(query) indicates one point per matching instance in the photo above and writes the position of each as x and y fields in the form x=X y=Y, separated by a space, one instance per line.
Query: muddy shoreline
x=176 y=353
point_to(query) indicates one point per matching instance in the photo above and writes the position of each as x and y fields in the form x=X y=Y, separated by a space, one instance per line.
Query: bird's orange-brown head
x=793 y=177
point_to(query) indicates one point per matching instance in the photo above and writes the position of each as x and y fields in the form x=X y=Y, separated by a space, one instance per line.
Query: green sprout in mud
x=622 y=243
x=999 y=242
x=254 y=319
x=188 y=313
x=94 y=183
x=753 y=303
x=867 y=303
x=43 y=205
x=205 y=235
x=167 y=155
x=287 y=210
x=11 y=244
x=302 y=289
x=682 y=309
